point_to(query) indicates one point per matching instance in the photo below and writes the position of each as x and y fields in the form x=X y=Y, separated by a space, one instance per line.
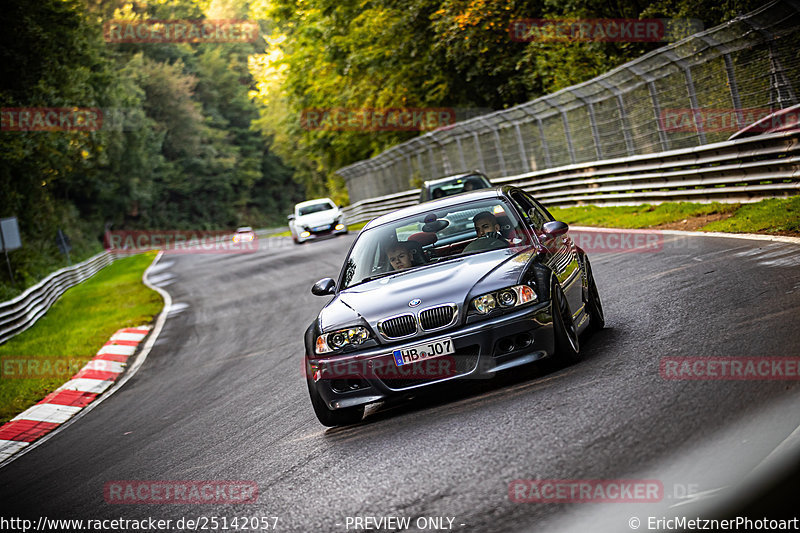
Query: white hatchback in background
x=315 y=219
x=244 y=234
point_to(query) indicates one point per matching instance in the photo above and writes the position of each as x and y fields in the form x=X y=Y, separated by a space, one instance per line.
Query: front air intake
x=437 y=317
x=399 y=326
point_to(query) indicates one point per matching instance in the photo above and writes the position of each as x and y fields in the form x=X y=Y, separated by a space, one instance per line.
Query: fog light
x=305 y=234
x=339 y=227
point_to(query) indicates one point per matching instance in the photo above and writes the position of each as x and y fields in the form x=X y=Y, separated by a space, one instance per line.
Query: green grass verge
x=357 y=227
x=766 y=216
x=75 y=328
x=637 y=216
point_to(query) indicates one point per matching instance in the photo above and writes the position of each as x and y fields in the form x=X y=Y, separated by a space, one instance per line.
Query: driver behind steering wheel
x=488 y=230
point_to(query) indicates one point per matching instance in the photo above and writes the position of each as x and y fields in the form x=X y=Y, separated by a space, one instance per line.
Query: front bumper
x=314 y=234
x=481 y=349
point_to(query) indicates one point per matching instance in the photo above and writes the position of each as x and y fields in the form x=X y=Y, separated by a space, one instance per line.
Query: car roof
x=315 y=201
x=767 y=124
x=445 y=179
x=245 y=228
x=433 y=205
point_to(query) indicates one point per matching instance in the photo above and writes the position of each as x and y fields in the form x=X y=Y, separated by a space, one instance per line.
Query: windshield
x=314 y=208
x=457 y=185
x=432 y=237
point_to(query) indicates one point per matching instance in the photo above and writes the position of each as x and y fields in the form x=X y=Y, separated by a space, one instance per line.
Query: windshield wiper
x=376 y=276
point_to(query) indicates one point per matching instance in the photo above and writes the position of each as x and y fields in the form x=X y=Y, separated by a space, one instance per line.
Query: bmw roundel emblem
x=415 y=302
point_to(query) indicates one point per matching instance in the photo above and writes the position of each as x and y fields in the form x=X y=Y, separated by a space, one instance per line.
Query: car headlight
x=515 y=296
x=336 y=340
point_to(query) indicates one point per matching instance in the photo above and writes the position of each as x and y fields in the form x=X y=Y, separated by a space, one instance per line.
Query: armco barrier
x=743 y=170
x=22 y=312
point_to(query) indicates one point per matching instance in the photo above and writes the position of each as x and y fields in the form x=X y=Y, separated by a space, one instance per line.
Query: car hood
x=316 y=219
x=449 y=282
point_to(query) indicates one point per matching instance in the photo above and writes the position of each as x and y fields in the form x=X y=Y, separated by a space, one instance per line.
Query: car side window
x=544 y=214
x=528 y=209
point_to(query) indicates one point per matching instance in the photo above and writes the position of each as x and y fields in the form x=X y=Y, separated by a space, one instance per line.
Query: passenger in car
x=399 y=256
x=406 y=254
x=472 y=184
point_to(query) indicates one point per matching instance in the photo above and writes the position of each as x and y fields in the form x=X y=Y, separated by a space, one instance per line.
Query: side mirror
x=290 y=217
x=324 y=287
x=555 y=228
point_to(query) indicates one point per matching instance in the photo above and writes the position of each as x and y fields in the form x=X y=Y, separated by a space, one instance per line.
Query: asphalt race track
x=222 y=397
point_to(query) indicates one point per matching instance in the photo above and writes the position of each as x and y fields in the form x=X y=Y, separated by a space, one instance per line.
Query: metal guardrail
x=22 y=312
x=743 y=170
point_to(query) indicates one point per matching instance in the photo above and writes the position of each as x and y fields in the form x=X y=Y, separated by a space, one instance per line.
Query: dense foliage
x=176 y=149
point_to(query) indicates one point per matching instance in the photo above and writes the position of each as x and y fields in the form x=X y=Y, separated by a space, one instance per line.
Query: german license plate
x=322 y=228
x=420 y=352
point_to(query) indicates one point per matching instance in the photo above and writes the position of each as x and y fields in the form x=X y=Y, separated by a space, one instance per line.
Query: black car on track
x=460 y=287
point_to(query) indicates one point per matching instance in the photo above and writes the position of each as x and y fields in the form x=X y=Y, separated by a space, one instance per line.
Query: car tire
x=594 y=306
x=339 y=417
x=565 y=332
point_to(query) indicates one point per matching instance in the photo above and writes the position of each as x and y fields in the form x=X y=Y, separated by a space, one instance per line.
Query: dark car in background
x=461 y=287
x=453 y=184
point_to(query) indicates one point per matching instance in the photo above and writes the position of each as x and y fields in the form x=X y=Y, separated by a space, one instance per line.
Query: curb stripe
x=117 y=349
x=122 y=342
x=26 y=430
x=48 y=412
x=100 y=375
x=86 y=385
x=119 y=358
x=10 y=447
x=70 y=398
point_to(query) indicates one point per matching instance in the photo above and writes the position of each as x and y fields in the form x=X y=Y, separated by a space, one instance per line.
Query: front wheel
x=565 y=333
x=339 y=417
